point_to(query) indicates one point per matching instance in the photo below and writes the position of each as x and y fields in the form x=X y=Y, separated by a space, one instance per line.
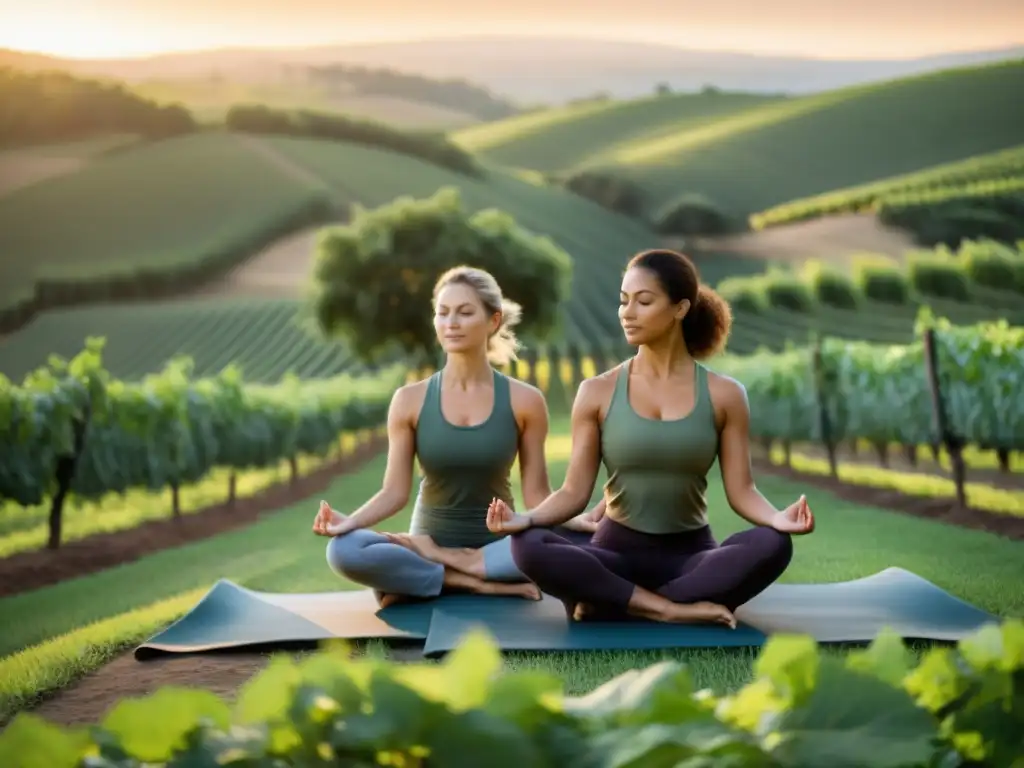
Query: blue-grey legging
x=371 y=559
x=684 y=567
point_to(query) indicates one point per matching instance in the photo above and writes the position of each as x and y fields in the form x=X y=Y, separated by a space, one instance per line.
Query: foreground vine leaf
x=851 y=720
x=153 y=727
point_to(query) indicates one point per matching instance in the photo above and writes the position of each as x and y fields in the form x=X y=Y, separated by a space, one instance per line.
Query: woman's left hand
x=796 y=519
x=583 y=523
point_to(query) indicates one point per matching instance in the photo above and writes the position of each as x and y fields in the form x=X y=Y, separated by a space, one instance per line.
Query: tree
x=374 y=277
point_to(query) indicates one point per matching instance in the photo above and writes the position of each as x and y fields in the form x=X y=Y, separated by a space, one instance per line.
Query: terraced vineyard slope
x=973 y=173
x=787 y=149
x=150 y=209
x=564 y=138
x=265 y=338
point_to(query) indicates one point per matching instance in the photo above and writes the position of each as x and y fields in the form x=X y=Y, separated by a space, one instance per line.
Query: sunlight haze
x=869 y=29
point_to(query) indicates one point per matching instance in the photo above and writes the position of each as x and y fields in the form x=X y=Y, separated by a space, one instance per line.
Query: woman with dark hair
x=658 y=421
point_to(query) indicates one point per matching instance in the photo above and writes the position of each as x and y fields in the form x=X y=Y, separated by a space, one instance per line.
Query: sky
x=818 y=28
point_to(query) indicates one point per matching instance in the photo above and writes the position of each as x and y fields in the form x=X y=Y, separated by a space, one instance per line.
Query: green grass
x=788 y=149
x=54 y=635
x=265 y=338
x=566 y=137
x=153 y=206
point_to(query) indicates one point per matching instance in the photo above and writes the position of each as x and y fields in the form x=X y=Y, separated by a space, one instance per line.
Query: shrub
x=608 y=191
x=785 y=290
x=873 y=707
x=374 y=277
x=830 y=286
x=743 y=293
x=693 y=214
x=433 y=147
x=938 y=274
x=880 y=279
x=992 y=265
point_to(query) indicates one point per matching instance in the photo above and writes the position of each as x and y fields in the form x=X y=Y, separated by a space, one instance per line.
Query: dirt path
x=832 y=238
x=88 y=700
x=281 y=270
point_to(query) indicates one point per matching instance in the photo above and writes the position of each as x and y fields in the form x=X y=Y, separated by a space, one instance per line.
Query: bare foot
x=466 y=583
x=388 y=599
x=702 y=612
x=464 y=559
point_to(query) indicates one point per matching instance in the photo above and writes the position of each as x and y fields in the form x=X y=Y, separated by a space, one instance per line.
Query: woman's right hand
x=329 y=522
x=501 y=519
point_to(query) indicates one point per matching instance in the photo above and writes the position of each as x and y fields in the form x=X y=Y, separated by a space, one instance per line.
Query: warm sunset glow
x=869 y=28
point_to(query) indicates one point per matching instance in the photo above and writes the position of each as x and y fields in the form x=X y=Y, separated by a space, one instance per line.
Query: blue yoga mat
x=231 y=616
x=836 y=612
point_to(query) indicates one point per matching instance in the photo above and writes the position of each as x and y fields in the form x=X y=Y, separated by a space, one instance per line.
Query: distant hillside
x=532 y=70
x=564 y=138
x=788 y=149
x=380 y=93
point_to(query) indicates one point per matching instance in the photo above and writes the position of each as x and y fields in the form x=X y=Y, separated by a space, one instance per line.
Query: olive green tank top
x=463 y=468
x=657 y=470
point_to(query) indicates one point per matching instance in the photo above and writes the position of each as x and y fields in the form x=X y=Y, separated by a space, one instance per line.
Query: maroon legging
x=684 y=567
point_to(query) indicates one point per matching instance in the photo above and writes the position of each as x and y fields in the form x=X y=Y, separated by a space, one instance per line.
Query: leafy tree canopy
x=374 y=277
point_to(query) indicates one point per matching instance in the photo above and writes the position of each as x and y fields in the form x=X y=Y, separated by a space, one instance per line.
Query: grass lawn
x=53 y=636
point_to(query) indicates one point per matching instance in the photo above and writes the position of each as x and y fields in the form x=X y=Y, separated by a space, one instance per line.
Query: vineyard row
x=1002 y=169
x=70 y=429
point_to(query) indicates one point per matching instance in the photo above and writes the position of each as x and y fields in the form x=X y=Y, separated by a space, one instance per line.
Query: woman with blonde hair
x=466 y=424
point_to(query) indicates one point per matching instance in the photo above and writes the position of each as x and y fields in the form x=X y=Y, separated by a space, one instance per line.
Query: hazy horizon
x=871 y=29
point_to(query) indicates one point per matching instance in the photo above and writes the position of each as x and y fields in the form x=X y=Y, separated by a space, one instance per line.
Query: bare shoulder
x=527 y=400
x=595 y=393
x=408 y=400
x=727 y=394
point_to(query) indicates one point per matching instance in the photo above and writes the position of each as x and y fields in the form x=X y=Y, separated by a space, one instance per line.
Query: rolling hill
x=582 y=134
x=520 y=67
x=165 y=202
x=152 y=208
x=786 y=149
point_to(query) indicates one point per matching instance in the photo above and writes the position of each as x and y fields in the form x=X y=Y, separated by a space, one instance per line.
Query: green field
x=60 y=632
x=582 y=134
x=150 y=207
x=265 y=338
x=787 y=149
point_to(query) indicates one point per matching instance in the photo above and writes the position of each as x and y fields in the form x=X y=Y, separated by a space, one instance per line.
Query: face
x=461 y=322
x=645 y=311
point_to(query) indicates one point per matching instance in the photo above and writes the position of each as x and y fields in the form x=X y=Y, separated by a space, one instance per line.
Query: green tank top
x=463 y=468
x=657 y=470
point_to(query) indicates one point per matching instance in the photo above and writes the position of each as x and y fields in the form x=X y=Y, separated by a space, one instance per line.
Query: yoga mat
x=856 y=611
x=836 y=612
x=231 y=616
x=522 y=625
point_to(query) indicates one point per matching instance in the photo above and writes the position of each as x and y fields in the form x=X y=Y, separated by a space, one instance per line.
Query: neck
x=465 y=368
x=664 y=357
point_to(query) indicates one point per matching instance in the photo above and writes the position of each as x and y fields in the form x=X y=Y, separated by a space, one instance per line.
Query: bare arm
x=533 y=467
x=584 y=461
x=397 y=485
x=734 y=456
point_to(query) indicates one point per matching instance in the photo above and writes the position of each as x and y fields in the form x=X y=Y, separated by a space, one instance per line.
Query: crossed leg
x=396 y=572
x=586 y=577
